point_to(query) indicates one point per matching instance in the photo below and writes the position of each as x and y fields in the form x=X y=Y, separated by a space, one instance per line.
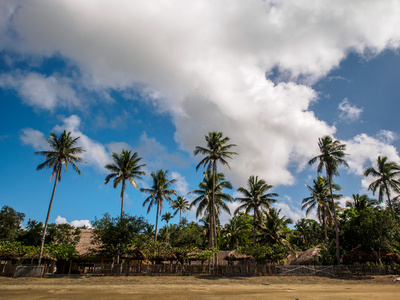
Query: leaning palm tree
x=166 y=217
x=387 y=176
x=125 y=167
x=180 y=205
x=331 y=157
x=159 y=191
x=256 y=199
x=204 y=201
x=63 y=152
x=217 y=151
x=319 y=199
x=361 y=202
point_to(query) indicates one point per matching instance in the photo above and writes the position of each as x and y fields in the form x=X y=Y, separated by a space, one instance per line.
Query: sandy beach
x=184 y=287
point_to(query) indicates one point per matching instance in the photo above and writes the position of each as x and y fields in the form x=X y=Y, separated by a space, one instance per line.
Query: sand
x=191 y=287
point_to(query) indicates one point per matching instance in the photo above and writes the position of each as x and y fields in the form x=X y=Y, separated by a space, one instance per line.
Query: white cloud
x=290 y=211
x=34 y=138
x=75 y=223
x=96 y=154
x=364 y=150
x=40 y=91
x=206 y=67
x=81 y=223
x=349 y=113
x=60 y=220
x=181 y=186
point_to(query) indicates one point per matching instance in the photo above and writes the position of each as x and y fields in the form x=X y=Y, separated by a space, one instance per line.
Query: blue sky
x=155 y=77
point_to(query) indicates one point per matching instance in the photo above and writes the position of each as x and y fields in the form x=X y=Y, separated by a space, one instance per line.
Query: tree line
x=256 y=227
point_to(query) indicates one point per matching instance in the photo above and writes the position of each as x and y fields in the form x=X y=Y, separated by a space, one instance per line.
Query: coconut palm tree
x=331 y=157
x=361 y=202
x=217 y=151
x=159 y=191
x=275 y=229
x=166 y=217
x=256 y=199
x=319 y=199
x=125 y=167
x=204 y=201
x=387 y=176
x=180 y=205
x=63 y=152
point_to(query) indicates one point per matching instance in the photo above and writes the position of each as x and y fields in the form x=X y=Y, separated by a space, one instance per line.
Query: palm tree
x=257 y=199
x=125 y=167
x=204 y=201
x=386 y=175
x=159 y=191
x=181 y=205
x=63 y=152
x=319 y=199
x=217 y=150
x=332 y=154
x=275 y=229
x=166 y=217
x=361 y=202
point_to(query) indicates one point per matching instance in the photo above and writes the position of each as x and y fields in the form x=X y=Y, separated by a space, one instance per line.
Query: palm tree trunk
x=180 y=217
x=390 y=203
x=48 y=216
x=158 y=209
x=122 y=198
x=254 y=231
x=336 y=223
x=325 y=229
x=213 y=210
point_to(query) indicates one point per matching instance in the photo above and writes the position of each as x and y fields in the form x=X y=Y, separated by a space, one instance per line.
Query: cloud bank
x=241 y=67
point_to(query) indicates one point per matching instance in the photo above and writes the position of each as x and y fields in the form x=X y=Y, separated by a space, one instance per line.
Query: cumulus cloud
x=41 y=91
x=60 y=220
x=349 y=113
x=75 y=223
x=364 y=150
x=207 y=67
x=96 y=154
x=181 y=186
x=34 y=138
x=81 y=223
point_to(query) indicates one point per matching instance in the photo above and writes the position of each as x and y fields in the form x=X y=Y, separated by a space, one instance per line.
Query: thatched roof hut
x=35 y=256
x=86 y=245
x=308 y=257
x=359 y=255
x=134 y=254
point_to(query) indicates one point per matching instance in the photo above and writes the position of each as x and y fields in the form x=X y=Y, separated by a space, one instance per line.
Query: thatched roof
x=359 y=255
x=194 y=255
x=308 y=257
x=233 y=255
x=135 y=254
x=46 y=256
x=86 y=245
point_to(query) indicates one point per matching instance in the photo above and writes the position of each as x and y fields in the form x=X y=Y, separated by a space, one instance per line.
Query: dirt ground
x=185 y=287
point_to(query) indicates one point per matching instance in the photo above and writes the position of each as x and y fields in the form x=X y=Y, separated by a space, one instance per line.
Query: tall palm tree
x=180 y=205
x=159 y=191
x=256 y=199
x=319 y=199
x=166 y=217
x=331 y=157
x=207 y=188
x=125 y=167
x=387 y=176
x=361 y=202
x=217 y=151
x=63 y=152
